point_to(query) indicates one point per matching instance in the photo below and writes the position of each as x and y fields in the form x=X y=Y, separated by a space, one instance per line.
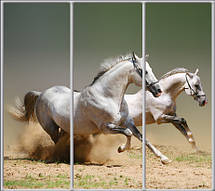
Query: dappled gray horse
x=99 y=108
x=163 y=109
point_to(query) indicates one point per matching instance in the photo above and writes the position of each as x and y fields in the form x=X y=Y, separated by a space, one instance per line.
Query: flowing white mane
x=174 y=71
x=110 y=63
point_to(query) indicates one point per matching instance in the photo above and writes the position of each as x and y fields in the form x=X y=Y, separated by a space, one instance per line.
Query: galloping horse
x=163 y=109
x=99 y=108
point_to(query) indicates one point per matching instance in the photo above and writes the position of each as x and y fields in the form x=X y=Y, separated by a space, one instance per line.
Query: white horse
x=99 y=108
x=163 y=109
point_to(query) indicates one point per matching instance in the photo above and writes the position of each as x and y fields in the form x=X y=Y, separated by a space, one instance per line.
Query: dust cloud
x=97 y=148
x=35 y=143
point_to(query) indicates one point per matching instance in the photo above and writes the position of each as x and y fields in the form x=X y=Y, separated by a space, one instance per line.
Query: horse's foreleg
x=110 y=128
x=181 y=125
x=130 y=124
x=157 y=153
x=126 y=146
x=187 y=133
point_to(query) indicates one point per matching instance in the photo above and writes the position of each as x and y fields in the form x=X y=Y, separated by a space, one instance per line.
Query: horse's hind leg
x=51 y=128
x=62 y=132
x=157 y=153
x=54 y=131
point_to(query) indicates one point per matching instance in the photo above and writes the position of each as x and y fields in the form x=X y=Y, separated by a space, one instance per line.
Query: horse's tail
x=25 y=112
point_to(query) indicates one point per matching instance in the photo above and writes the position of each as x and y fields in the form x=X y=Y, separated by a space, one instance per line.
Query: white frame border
x=2 y=102
x=143 y=53
x=213 y=89
x=143 y=98
x=71 y=103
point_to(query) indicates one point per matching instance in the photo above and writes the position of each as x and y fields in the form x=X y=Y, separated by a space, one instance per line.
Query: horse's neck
x=173 y=85
x=115 y=82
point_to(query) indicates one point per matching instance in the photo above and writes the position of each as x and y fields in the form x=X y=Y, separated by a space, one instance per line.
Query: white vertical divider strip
x=213 y=88
x=2 y=99
x=71 y=102
x=143 y=98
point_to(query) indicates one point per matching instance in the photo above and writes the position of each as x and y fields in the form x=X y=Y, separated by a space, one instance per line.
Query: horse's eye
x=146 y=72
x=197 y=86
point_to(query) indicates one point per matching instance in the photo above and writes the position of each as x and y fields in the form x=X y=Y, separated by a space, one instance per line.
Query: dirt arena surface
x=188 y=170
x=25 y=173
x=37 y=163
x=113 y=171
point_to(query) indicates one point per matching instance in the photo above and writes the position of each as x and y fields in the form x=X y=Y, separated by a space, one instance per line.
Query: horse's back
x=56 y=97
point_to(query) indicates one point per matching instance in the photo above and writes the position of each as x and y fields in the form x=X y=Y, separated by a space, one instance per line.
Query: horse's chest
x=167 y=104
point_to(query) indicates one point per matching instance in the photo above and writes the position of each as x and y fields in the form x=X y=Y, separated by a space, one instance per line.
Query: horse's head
x=194 y=88
x=137 y=70
x=151 y=81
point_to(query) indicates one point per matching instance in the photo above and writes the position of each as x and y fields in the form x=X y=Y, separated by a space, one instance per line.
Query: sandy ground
x=24 y=173
x=117 y=171
x=35 y=162
x=187 y=170
x=105 y=167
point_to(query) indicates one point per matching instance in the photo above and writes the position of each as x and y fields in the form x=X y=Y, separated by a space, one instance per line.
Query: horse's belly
x=84 y=128
x=149 y=118
x=63 y=122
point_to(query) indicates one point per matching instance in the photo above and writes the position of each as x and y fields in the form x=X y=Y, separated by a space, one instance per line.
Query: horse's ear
x=189 y=74
x=146 y=56
x=196 y=72
x=134 y=56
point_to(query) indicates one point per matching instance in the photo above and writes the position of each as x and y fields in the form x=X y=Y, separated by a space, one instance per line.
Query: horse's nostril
x=157 y=95
x=204 y=102
x=159 y=90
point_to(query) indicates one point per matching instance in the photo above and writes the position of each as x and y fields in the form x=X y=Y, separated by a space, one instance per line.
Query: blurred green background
x=179 y=35
x=103 y=30
x=36 y=53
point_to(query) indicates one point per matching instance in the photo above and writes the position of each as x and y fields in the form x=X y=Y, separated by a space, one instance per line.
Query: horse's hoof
x=166 y=161
x=120 y=149
x=196 y=150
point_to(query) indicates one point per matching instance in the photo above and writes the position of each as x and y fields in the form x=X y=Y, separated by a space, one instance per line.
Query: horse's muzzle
x=159 y=93
x=155 y=89
x=203 y=102
x=156 y=92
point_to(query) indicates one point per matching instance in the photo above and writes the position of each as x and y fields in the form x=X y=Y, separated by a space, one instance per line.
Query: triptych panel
x=113 y=53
